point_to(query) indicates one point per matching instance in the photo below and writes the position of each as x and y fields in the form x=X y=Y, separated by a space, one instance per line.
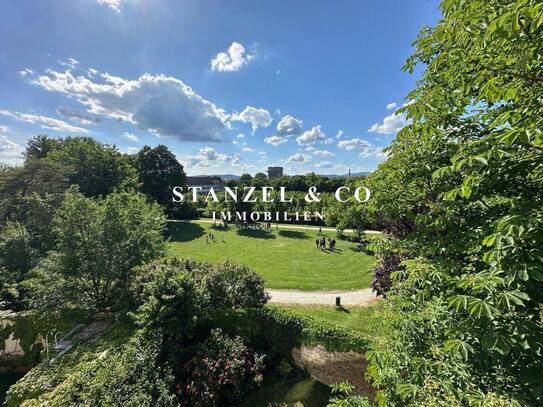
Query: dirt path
x=283 y=226
x=358 y=297
x=333 y=367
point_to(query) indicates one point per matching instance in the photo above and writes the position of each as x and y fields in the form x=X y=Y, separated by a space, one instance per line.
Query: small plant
x=285 y=369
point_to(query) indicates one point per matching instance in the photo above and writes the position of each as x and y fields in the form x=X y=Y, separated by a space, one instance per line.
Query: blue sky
x=228 y=86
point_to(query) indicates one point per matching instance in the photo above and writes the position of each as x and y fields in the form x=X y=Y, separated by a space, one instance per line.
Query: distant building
x=206 y=182
x=275 y=172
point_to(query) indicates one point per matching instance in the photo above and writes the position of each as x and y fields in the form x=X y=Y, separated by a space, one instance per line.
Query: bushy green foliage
x=234 y=286
x=342 y=396
x=98 y=244
x=461 y=193
x=173 y=305
x=275 y=332
x=97 y=169
x=221 y=371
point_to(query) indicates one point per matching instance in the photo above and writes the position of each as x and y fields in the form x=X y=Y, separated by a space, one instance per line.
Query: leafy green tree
x=467 y=175
x=96 y=168
x=159 y=171
x=99 y=242
x=40 y=146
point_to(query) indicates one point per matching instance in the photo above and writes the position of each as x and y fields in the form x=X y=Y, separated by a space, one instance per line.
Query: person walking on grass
x=318 y=243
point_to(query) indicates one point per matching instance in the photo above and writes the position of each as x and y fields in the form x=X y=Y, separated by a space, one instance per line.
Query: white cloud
x=392 y=105
x=208 y=157
x=130 y=136
x=299 y=158
x=289 y=126
x=232 y=60
x=26 y=71
x=80 y=117
x=10 y=151
x=339 y=134
x=325 y=164
x=69 y=63
x=44 y=121
x=322 y=153
x=256 y=116
x=92 y=72
x=275 y=140
x=392 y=124
x=248 y=149
x=312 y=136
x=364 y=147
x=3 y=129
x=241 y=135
x=112 y=4
x=160 y=104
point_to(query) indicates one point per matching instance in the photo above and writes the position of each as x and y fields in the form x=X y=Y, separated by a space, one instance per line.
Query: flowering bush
x=222 y=370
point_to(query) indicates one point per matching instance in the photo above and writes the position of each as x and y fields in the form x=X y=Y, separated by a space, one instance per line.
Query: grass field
x=284 y=258
x=361 y=319
x=288 y=392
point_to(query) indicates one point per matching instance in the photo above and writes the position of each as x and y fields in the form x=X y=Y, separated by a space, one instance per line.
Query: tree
x=40 y=146
x=98 y=244
x=465 y=313
x=245 y=179
x=159 y=171
x=96 y=168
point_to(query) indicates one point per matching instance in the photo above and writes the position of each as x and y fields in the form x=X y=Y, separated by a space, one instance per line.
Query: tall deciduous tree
x=99 y=242
x=159 y=171
x=466 y=181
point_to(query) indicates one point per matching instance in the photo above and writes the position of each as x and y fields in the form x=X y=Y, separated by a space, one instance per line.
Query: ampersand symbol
x=312 y=196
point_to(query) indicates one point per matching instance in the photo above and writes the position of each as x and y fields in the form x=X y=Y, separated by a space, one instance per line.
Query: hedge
x=275 y=332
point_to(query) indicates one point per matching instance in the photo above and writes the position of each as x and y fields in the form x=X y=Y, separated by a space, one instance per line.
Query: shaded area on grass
x=257 y=233
x=289 y=391
x=184 y=232
x=293 y=234
x=6 y=380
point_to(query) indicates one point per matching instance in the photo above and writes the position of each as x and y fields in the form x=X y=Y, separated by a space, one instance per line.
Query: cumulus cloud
x=10 y=151
x=44 y=121
x=69 y=63
x=325 y=164
x=112 y=4
x=248 y=149
x=312 y=136
x=232 y=60
x=130 y=136
x=339 y=134
x=26 y=71
x=322 y=153
x=392 y=124
x=392 y=105
x=299 y=158
x=80 y=117
x=208 y=157
x=257 y=117
x=275 y=140
x=241 y=135
x=365 y=148
x=160 y=104
x=289 y=126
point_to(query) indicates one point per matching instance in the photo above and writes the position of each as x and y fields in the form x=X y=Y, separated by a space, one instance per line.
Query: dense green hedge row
x=275 y=332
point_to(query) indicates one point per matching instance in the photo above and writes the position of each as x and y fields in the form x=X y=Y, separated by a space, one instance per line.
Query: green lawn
x=289 y=392
x=285 y=258
x=361 y=319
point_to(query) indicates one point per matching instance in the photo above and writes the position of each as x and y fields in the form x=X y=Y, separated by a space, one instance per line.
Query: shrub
x=381 y=282
x=234 y=286
x=221 y=372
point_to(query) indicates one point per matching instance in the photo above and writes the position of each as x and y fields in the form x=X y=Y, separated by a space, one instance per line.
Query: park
x=286 y=258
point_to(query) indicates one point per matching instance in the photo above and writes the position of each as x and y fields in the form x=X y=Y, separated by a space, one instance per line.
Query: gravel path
x=358 y=297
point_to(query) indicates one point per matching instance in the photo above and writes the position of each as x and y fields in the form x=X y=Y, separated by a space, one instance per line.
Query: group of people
x=321 y=243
